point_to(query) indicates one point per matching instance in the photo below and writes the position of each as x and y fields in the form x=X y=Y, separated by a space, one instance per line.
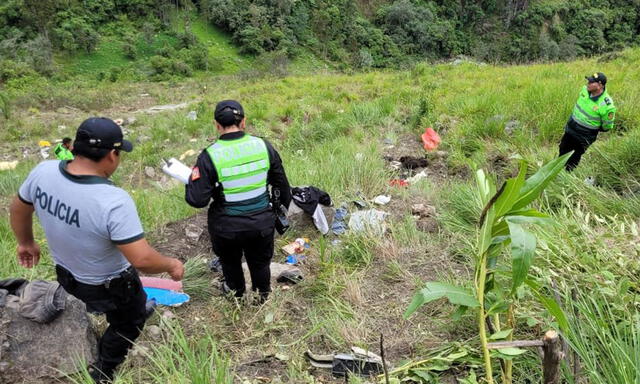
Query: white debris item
x=417 y=177
x=8 y=165
x=177 y=170
x=371 y=220
x=192 y=115
x=382 y=200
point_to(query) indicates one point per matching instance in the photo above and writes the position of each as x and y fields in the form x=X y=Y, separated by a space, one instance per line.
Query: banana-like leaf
x=535 y=184
x=437 y=290
x=511 y=192
x=523 y=249
x=537 y=220
x=550 y=304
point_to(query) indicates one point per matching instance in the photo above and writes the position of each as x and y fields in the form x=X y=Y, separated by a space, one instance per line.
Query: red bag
x=430 y=139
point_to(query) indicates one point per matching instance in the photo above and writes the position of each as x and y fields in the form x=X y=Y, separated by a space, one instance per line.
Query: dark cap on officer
x=228 y=113
x=100 y=132
x=598 y=77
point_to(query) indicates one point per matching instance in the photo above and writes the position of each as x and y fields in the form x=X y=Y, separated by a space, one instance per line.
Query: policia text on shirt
x=234 y=174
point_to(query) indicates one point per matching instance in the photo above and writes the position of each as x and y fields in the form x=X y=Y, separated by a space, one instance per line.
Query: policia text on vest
x=593 y=112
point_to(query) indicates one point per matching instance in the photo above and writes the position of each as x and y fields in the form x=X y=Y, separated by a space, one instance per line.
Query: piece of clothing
x=62 y=153
x=257 y=248
x=84 y=219
x=592 y=114
x=40 y=301
x=204 y=187
x=310 y=199
x=124 y=304
x=242 y=166
x=570 y=143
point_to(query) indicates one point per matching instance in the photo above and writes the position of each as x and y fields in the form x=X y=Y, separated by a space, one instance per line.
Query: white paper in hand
x=177 y=170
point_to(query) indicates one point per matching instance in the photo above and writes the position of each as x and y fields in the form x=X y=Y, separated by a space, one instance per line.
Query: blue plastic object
x=166 y=297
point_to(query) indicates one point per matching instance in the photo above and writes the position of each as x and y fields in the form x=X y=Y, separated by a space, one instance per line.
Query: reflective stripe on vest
x=242 y=166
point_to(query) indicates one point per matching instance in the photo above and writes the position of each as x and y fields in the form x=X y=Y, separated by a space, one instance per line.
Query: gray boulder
x=32 y=352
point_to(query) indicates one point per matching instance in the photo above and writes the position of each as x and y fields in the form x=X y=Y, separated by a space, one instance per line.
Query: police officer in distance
x=594 y=112
x=63 y=150
x=234 y=174
x=94 y=235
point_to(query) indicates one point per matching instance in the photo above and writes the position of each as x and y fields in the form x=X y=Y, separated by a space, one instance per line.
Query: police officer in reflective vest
x=63 y=150
x=234 y=174
x=594 y=112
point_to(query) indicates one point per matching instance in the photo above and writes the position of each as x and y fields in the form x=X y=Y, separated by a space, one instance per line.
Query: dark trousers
x=123 y=303
x=257 y=248
x=570 y=143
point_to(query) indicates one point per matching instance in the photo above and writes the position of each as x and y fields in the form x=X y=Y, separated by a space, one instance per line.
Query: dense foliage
x=352 y=33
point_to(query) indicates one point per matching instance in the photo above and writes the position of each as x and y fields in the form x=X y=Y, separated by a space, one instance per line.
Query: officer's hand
x=28 y=254
x=177 y=270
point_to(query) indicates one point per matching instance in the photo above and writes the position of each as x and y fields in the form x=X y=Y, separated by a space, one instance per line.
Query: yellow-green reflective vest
x=594 y=114
x=62 y=153
x=242 y=166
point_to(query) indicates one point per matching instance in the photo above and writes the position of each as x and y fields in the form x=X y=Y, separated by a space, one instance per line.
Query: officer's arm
x=146 y=259
x=22 y=220
x=199 y=190
x=277 y=177
x=608 y=119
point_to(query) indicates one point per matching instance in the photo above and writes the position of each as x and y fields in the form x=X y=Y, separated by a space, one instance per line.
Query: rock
x=129 y=120
x=193 y=232
x=423 y=210
x=511 y=127
x=142 y=139
x=168 y=315
x=150 y=172
x=154 y=330
x=31 y=352
x=301 y=222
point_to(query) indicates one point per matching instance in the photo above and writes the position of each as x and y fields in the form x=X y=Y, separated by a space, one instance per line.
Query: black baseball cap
x=597 y=78
x=101 y=132
x=228 y=112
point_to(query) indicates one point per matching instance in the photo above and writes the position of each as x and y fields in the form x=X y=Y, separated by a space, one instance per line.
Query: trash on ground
x=189 y=152
x=359 y=362
x=590 y=181
x=398 y=183
x=215 y=265
x=311 y=200
x=371 y=220
x=166 y=296
x=417 y=177
x=177 y=170
x=359 y=156
x=297 y=246
x=293 y=276
x=395 y=164
x=382 y=200
x=192 y=115
x=339 y=226
x=8 y=165
x=294 y=259
x=430 y=139
x=160 y=282
x=44 y=143
x=150 y=172
x=410 y=162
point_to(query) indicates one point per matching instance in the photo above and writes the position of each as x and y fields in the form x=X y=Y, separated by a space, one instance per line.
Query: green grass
x=329 y=129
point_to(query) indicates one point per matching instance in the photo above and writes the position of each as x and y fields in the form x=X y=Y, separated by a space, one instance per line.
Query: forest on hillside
x=350 y=33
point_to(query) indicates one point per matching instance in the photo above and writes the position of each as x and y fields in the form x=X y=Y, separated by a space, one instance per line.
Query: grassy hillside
x=334 y=131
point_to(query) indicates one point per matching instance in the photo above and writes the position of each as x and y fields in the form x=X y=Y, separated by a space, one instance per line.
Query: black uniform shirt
x=204 y=187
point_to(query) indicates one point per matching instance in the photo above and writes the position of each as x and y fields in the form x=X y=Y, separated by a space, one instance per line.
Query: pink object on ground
x=158 y=282
x=430 y=139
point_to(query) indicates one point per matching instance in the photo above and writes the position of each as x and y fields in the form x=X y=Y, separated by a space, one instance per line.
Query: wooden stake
x=552 y=356
x=384 y=363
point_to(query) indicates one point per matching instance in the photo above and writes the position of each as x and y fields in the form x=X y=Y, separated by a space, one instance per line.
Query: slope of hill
x=339 y=132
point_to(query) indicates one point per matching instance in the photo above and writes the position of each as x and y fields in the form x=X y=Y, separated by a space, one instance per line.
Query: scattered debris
x=339 y=226
x=430 y=139
x=189 y=152
x=395 y=165
x=371 y=220
x=192 y=115
x=293 y=276
x=8 y=165
x=294 y=259
x=215 y=265
x=44 y=143
x=166 y=297
x=382 y=200
x=417 y=177
x=590 y=181
x=410 y=162
x=61 y=128
x=398 y=183
x=150 y=172
x=359 y=362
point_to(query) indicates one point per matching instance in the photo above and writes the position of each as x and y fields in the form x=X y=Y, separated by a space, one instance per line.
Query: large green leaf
x=541 y=219
x=511 y=192
x=436 y=290
x=550 y=304
x=523 y=249
x=534 y=185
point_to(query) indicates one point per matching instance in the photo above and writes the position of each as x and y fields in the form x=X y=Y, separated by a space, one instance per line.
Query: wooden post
x=551 y=357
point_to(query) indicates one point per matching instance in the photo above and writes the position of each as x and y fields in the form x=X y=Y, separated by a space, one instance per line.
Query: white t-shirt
x=84 y=219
